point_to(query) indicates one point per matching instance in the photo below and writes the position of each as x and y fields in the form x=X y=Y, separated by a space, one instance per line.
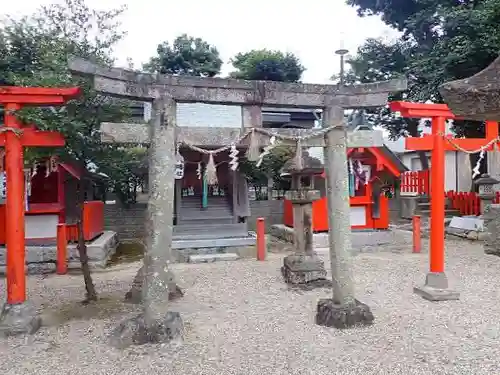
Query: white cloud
x=312 y=31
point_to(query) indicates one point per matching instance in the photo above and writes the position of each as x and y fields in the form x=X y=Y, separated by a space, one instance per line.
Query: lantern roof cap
x=486 y=179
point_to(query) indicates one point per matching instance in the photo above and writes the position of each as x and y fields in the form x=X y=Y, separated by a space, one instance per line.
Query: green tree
x=441 y=41
x=35 y=50
x=267 y=65
x=186 y=56
x=268 y=173
x=271 y=66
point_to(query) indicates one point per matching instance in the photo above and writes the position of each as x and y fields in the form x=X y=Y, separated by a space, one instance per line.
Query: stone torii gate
x=164 y=92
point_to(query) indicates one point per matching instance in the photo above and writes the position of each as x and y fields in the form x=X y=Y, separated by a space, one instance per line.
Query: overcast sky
x=312 y=31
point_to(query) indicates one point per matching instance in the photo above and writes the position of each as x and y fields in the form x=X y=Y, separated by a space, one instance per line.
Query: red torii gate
x=436 y=285
x=14 y=136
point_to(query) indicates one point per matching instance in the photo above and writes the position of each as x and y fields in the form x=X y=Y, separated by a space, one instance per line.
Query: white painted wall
x=40 y=226
x=358 y=215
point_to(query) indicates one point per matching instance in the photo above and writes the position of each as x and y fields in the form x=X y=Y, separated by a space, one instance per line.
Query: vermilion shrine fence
x=467 y=203
x=416 y=182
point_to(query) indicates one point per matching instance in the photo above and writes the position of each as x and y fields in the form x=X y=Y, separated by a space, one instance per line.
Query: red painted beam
x=37 y=95
x=32 y=99
x=421 y=110
x=34 y=138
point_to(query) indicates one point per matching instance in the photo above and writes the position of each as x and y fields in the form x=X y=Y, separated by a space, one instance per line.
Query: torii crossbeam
x=436 y=285
x=17 y=315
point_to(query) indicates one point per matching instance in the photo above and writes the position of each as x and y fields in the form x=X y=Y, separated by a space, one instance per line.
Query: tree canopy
x=268 y=65
x=186 y=56
x=441 y=40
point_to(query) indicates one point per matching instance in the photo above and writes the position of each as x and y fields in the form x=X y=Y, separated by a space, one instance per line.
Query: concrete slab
x=435 y=295
x=467 y=223
x=209 y=258
x=214 y=242
x=470 y=227
x=42 y=259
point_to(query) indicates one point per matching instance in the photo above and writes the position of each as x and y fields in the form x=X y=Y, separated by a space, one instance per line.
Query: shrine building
x=207 y=215
x=51 y=189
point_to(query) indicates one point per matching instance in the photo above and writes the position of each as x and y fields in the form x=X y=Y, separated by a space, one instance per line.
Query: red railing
x=416 y=182
x=93 y=222
x=467 y=203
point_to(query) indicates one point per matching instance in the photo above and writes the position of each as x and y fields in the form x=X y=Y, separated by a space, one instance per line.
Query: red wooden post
x=61 y=197
x=62 y=250
x=437 y=197
x=14 y=137
x=261 y=239
x=416 y=234
x=16 y=282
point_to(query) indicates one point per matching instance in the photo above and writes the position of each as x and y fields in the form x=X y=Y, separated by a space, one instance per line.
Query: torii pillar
x=18 y=315
x=436 y=283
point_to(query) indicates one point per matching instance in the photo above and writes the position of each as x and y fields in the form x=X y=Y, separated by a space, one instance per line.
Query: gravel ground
x=241 y=319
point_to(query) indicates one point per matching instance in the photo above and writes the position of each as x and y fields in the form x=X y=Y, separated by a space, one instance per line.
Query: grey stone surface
x=303 y=269
x=436 y=288
x=331 y=314
x=139 y=331
x=491 y=217
x=98 y=250
x=359 y=238
x=19 y=319
x=128 y=223
x=134 y=295
x=130 y=84
x=408 y=206
x=209 y=258
x=337 y=183
x=132 y=133
x=158 y=278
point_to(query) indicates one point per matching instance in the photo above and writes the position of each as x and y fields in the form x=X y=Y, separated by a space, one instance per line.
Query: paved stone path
x=241 y=319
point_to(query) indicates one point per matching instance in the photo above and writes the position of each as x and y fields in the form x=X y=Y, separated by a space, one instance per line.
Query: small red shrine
x=50 y=198
x=372 y=170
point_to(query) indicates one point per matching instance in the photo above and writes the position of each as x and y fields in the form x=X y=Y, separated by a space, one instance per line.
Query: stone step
x=222 y=201
x=205 y=219
x=189 y=243
x=205 y=231
x=210 y=258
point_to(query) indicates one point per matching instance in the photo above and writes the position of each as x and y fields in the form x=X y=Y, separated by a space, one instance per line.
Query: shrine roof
x=476 y=97
x=393 y=158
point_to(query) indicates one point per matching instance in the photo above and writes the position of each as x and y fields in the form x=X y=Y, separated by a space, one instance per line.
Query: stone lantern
x=486 y=192
x=304 y=265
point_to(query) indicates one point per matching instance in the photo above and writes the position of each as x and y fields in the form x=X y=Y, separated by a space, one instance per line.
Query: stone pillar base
x=19 y=319
x=135 y=331
x=436 y=288
x=330 y=314
x=303 y=269
x=134 y=295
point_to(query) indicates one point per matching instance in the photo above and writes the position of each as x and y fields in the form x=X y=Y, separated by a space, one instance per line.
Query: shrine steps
x=424 y=208
x=206 y=233
x=207 y=230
